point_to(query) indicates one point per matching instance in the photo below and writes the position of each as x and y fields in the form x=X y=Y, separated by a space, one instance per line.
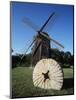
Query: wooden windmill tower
x=41 y=47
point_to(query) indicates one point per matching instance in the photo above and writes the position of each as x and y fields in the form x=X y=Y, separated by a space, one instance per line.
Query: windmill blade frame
x=56 y=42
x=46 y=22
x=37 y=48
x=28 y=49
x=31 y=24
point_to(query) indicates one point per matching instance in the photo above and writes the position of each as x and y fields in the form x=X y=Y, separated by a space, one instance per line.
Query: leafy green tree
x=65 y=59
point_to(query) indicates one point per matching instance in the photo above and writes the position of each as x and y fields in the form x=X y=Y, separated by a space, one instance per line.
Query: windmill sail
x=46 y=22
x=57 y=43
x=31 y=24
x=27 y=49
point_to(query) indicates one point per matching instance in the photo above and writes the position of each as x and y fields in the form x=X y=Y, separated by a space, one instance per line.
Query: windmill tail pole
x=47 y=21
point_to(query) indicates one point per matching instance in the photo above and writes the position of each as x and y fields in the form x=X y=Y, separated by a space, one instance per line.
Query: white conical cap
x=48 y=74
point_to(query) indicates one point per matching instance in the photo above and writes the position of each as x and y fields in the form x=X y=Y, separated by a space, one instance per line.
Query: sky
x=60 y=27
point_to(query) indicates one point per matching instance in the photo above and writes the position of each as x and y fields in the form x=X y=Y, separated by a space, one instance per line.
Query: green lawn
x=22 y=85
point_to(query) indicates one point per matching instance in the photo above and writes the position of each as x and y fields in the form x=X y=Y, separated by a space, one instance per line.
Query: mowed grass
x=22 y=84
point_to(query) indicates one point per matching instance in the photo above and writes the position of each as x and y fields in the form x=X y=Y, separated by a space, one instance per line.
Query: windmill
x=41 y=42
x=47 y=73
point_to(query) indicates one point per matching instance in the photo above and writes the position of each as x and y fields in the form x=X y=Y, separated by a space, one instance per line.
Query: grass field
x=22 y=85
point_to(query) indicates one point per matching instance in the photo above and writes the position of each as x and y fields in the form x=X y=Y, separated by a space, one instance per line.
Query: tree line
x=65 y=59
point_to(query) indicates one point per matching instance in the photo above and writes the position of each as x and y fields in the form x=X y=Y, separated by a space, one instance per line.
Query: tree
x=67 y=57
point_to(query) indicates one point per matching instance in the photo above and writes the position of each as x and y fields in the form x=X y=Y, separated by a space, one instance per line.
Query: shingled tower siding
x=41 y=48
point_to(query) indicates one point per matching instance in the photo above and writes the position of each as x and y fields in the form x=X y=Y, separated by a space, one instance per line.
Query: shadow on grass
x=68 y=83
